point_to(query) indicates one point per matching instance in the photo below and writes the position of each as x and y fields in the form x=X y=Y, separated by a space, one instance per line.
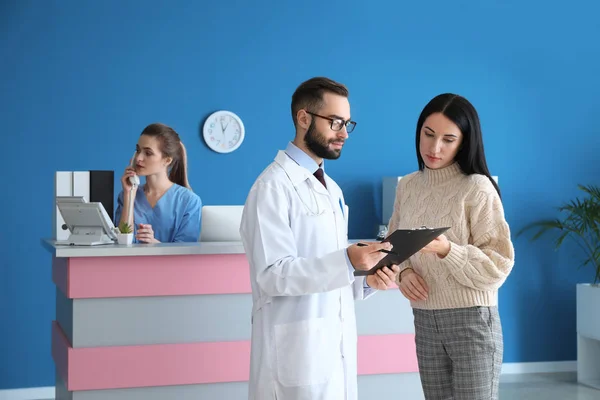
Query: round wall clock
x=223 y=131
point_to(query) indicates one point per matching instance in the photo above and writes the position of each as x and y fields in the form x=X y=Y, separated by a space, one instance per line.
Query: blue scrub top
x=175 y=217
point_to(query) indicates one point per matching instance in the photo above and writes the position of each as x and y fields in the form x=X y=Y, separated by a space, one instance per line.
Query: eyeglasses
x=337 y=123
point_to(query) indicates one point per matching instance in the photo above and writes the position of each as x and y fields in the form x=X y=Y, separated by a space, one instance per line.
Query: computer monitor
x=88 y=222
x=221 y=223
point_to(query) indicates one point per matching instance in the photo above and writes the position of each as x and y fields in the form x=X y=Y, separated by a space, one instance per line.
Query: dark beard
x=317 y=144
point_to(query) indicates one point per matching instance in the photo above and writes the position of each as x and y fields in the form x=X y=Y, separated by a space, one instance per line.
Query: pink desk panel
x=102 y=277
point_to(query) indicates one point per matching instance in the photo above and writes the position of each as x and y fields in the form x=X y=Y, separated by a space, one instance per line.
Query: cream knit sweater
x=481 y=253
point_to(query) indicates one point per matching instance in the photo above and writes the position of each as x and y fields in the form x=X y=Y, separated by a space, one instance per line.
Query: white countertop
x=142 y=249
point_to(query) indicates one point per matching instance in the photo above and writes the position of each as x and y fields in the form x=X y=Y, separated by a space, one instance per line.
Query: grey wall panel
x=385 y=312
x=160 y=320
x=381 y=387
x=203 y=318
x=60 y=389
x=64 y=314
x=215 y=391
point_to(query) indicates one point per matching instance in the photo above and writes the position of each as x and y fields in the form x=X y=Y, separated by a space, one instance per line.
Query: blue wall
x=79 y=81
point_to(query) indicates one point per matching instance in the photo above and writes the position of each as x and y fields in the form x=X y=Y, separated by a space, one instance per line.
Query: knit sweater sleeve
x=394 y=224
x=484 y=263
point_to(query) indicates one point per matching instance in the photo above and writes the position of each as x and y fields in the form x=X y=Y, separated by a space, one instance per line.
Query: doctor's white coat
x=304 y=338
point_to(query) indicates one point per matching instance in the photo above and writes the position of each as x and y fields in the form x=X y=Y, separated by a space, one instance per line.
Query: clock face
x=223 y=131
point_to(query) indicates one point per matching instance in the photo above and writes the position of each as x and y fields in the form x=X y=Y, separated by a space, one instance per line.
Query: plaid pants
x=459 y=352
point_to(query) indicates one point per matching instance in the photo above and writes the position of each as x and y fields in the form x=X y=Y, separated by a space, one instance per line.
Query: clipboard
x=405 y=242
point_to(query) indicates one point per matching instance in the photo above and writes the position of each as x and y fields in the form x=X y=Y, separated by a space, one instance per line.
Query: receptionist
x=165 y=209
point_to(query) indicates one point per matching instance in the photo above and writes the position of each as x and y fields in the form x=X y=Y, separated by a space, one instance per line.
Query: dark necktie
x=319 y=175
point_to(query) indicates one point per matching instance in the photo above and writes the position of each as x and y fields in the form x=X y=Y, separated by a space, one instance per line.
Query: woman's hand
x=129 y=171
x=383 y=278
x=440 y=246
x=145 y=234
x=412 y=285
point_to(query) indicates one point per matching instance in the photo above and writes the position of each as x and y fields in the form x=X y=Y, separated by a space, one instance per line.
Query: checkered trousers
x=459 y=352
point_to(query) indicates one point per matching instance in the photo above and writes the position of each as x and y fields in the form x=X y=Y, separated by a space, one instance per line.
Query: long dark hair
x=171 y=146
x=470 y=156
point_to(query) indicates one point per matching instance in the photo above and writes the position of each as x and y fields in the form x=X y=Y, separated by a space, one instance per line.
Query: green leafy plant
x=124 y=227
x=581 y=222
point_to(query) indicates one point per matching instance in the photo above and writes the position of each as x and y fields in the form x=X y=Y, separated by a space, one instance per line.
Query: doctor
x=294 y=231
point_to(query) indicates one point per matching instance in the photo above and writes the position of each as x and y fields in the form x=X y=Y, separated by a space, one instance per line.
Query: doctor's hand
x=145 y=234
x=363 y=258
x=383 y=278
x=440 y=246
x=412 y=285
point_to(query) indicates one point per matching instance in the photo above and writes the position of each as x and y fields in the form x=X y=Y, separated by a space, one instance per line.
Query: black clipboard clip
x=405 y=242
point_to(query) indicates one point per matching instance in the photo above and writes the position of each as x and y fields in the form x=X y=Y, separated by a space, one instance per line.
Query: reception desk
x=172 y=321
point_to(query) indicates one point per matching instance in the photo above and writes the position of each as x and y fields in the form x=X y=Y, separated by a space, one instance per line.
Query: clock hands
x=223 y=130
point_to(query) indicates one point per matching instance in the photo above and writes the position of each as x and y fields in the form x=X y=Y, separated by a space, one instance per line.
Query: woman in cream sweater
x=453 y=282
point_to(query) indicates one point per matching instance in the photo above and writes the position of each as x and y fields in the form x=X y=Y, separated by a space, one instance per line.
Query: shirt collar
x=302 y=159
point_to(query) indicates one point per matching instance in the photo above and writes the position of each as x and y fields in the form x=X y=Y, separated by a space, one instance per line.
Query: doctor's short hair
x=309 y=95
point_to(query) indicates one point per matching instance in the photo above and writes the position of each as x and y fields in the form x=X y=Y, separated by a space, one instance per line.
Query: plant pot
x=588 y=335
x=125 y=238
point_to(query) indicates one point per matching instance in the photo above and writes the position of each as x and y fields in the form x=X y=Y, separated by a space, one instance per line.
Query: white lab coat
x=304 y=337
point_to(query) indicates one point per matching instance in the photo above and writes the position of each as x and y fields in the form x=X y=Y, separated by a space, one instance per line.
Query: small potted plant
x=125 y=235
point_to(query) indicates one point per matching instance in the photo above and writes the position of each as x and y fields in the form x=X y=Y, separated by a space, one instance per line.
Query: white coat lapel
x=299 y=174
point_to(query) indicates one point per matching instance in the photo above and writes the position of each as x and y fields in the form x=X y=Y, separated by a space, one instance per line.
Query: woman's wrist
x=130 y=191
x=444 y=252
x=403 y=271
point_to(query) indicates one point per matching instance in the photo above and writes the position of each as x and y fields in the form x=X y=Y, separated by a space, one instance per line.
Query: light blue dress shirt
x=175 y=217
x=304 y=160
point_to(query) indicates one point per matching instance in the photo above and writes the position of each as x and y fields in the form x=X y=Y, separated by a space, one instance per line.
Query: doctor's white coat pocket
x=307 y=351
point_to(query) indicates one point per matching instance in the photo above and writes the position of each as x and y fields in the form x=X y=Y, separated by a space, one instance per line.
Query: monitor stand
x=86 y=236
